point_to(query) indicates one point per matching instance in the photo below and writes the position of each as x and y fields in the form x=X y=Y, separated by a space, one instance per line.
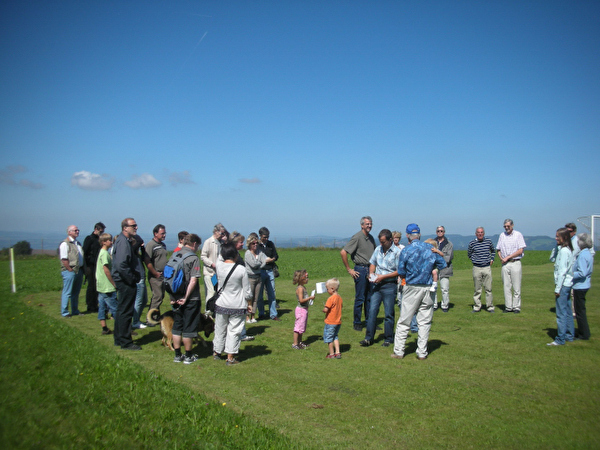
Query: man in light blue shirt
x=416 y=263
x=383 y=277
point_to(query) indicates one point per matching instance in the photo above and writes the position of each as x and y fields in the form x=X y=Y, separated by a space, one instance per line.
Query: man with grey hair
x=209 y=256
x=416 y=263
x=360 y=247
x=446 y=247
x=481 y=252
x=71 y=259
x=511 y=248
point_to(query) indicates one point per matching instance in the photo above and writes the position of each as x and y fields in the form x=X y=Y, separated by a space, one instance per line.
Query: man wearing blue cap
x=416 y=263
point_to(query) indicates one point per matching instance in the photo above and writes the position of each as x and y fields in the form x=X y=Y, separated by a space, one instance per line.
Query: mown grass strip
x=61 y=389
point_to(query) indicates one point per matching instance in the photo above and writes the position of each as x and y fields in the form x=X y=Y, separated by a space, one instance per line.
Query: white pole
x=12 y=270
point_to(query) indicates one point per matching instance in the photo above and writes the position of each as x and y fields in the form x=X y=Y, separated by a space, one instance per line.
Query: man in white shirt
x=511 y=247
x=71 y=258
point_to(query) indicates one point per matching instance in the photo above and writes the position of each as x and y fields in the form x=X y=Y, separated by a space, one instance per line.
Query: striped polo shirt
x=481 y=253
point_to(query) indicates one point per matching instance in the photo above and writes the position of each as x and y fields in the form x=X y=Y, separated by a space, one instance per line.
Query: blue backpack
x=173 y=273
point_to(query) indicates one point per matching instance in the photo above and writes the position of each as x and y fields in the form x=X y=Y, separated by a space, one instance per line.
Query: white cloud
x=250 y=180
x=143 y=181
x=184 y=177
x=7 y=176
x=91 y=181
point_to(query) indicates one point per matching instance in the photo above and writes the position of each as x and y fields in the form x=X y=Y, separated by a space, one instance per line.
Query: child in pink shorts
x=301 y=278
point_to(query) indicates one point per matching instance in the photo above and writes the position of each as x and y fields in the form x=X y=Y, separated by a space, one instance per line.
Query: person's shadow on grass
x=551 y=332
x=253 y=351
x=432 y=346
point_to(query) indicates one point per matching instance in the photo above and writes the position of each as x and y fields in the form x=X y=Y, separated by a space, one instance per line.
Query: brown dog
x=206 y=324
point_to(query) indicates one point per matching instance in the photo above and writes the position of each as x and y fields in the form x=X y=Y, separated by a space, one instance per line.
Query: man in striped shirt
x=481 y=253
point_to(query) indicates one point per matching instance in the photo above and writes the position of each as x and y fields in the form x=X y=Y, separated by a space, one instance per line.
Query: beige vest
x=73 y=255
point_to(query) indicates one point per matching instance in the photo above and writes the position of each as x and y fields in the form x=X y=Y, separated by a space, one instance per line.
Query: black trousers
x=91 y=294
x=125 y=303
x=583 y=328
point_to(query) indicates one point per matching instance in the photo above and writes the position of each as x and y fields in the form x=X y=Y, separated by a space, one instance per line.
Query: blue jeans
x=385 y=293
x=362 y=294
x=564 y=316
x=141 y=300
x=70 y=293
x=107 y=302
x=268 y=283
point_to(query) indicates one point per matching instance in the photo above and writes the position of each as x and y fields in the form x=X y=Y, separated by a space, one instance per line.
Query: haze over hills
x=49 y=241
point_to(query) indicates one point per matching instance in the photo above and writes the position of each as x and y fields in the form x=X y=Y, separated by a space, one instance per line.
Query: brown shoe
x=133 y=333
x=277 y=319
x=107 y=331
x=395 y=356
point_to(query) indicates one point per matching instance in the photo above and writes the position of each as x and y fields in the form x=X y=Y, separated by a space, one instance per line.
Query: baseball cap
x=413 y=228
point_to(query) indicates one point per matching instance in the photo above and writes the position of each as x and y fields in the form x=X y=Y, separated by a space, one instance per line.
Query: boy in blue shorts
x=333 y=318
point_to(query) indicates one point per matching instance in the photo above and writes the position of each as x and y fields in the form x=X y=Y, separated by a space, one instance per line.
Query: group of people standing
x=385 y=273
x=389 y=271
x=573 y=266
x=415 y=271
x=510 y=249
x=117 y=282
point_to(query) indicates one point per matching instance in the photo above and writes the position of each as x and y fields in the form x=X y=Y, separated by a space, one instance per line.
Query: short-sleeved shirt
x=103 y=285
x=360 y=248
x=416 y=263
x=157 y=252
x=191 y=269
x=510 y=243
x=385 y=262
x=334 y=316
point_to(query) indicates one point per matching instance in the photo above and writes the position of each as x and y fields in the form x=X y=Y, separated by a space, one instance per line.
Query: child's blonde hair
x=298 y=275
x=432 y=242
x=104 y=237
x=333 y=283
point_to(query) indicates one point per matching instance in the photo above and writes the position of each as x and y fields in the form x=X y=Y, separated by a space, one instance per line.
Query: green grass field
x=490 y=379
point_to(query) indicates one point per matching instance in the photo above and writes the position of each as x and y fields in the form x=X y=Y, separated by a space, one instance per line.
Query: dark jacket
x=124 y=262
x=91 y=249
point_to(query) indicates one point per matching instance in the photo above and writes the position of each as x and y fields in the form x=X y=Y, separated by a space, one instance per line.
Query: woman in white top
x=232 y=305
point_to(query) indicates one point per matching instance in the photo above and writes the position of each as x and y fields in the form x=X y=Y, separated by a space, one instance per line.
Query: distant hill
x=458 y=241
x=49 y=241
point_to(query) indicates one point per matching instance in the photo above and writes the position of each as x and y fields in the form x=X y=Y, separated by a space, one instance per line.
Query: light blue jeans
x=268 y=280
x=141 y=300
x=70 y=293
x=107 y=302
x=564 y=316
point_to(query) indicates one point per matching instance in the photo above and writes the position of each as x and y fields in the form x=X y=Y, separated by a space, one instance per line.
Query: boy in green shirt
x=107 y=293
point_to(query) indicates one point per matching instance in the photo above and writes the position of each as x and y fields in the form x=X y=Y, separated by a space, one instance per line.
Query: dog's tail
x=154 y=317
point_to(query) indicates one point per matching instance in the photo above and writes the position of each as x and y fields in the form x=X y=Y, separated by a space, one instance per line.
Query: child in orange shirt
x=333 y=319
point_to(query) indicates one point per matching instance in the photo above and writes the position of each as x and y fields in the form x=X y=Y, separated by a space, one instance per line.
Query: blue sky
x=299 y=116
